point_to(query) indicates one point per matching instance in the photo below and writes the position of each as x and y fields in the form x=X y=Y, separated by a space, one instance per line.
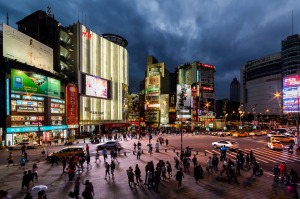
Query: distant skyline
x=224 y=33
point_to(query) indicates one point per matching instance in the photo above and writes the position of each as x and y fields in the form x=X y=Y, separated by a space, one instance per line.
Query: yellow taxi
x=283 y=138
x=240 y=134
x=67 y=151
x=275 y=144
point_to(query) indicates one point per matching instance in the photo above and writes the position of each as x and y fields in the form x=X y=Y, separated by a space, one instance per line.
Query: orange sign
x=71 y=104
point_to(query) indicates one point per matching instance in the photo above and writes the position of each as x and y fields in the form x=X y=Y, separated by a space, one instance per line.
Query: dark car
x=107 y=145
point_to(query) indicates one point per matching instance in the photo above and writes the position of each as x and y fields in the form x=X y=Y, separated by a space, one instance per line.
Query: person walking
x=198 y=173
x=147 y=167
x=294 y=181
x=23 y=149
x=22 y=162
x=224 y=167
x=54 y=159
x=167 y=142
x=88 y=192
x=194 y=160
x=283 y=170
x=107 y=168
x=232 y=174
x=179 y=176
x=87 y=148
x=139 y=152
x=88 y=161
x=97 y=157
x=156 y=179
x=137 y=173
x=169 y=169
x=77 y=188
x=112 y=169
x=104 y=153
x=64 y=164
x=276 y=172
x=10 y=159
x=34 y=171
x=209 y=165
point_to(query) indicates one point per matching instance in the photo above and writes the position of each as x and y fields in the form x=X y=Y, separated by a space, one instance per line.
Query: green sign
x=30 y=82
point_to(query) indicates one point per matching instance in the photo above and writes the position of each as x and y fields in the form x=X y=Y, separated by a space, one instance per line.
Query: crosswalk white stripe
x=275 y=155
x=259 y=159
x=284 y=154
x=270 y=158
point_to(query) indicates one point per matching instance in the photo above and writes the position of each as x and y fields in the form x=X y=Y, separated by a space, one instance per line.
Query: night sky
x=224 y=33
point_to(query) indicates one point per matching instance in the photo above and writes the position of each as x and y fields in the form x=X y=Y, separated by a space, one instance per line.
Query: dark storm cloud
x=224 y=33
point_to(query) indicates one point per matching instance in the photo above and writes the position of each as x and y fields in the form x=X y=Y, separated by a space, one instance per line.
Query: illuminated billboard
x=291 y=93
x=96 y=87
x=183 y=96
x=152 y=85
x=164 y=109
x=22 y=48
x=29 y=82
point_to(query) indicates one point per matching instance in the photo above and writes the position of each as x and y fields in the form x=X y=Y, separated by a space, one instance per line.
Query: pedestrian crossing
x=264 y=155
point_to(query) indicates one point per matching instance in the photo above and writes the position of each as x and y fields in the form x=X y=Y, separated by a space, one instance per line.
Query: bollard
x=165 y=150
x=204 y=153
x=197 y=152
x=125 y=153
x=174 y=150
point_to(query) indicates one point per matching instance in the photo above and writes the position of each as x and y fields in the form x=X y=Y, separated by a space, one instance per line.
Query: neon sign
x=87 y=35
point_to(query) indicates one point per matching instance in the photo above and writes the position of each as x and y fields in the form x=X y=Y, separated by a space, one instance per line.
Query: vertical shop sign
x=71 y=104
x=7 y=97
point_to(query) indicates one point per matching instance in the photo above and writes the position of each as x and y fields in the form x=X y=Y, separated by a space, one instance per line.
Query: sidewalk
x=59 y=187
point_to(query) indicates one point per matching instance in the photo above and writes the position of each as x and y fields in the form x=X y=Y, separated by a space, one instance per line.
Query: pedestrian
x=215 y=162
x=176 y=162
x=25 y=181
x=88 y=161
x=276 y=172
x=26 y=156
x=156 y=179
x=147 y=167
x=10 y=159
x=224 y=167
x=30 y=175
x=294 y=181
x=209 y=165
x=194 y=160
x=112 y=169
x=107 y=168
x=134 y=146
x=34 y=171
x=42 y=194
x=64 y=163
x=71 y=171
x=54 y=159
x=28 y=195
x=77 y=188
x=97 y=157
x=255 y=168
x=104 y=153
x=130 y=176
x=150 y=149
x=157 y=147
x=198 y=173
x=251 y=156
x=87 y=147
x=119 y=148
x=283 y=170
x=138 y=155
x=179 y=176
x=137 y=173
x=43 y=152
x=238 y=167
x=169 y=169
x=23 y=149
x=150 y=178
x=163 y=171
x=22 y=162
x=88 y=192
x=232 y=174
x=248 y=161
x=167 y=142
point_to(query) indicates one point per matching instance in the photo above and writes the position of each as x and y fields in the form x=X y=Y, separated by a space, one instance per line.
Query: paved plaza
x=58 y=185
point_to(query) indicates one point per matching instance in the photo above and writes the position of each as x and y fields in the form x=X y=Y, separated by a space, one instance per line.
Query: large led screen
x=30 y=82
x=183 y=96
x=96 y=86
x=24 y=49
x=291 y=93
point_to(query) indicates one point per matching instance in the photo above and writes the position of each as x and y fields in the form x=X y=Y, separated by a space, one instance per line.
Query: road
x=267 y=158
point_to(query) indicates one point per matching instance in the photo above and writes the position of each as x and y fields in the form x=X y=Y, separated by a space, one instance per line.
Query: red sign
x=71 y=104
x=87 y=35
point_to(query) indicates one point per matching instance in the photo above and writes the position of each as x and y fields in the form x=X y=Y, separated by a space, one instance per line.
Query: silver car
x=230 y=145
x=28 y=145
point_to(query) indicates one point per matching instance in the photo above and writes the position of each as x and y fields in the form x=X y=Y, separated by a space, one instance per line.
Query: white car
x=230 y=145
x=28 y=145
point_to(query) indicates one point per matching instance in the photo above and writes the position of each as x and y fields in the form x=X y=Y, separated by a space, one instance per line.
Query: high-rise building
x=235 y=90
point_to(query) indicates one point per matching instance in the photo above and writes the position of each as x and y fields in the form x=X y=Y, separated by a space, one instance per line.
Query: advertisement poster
x=96 y=87
x=71 y=104
x=291 y=93
x=24 y=49
x=183 y=96
x=164 y=109
x=29 y=82
x=153 y=85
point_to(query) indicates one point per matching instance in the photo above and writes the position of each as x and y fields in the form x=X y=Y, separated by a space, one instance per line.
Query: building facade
x=235 y=90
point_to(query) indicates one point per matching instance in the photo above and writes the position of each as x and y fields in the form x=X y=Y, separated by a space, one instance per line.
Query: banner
x=71 y=104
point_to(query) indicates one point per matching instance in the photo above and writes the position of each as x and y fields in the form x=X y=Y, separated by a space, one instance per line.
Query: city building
x=195 y=95
x=79 y=85
x=235 y=90
x=157 y=89
x=261 y=82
